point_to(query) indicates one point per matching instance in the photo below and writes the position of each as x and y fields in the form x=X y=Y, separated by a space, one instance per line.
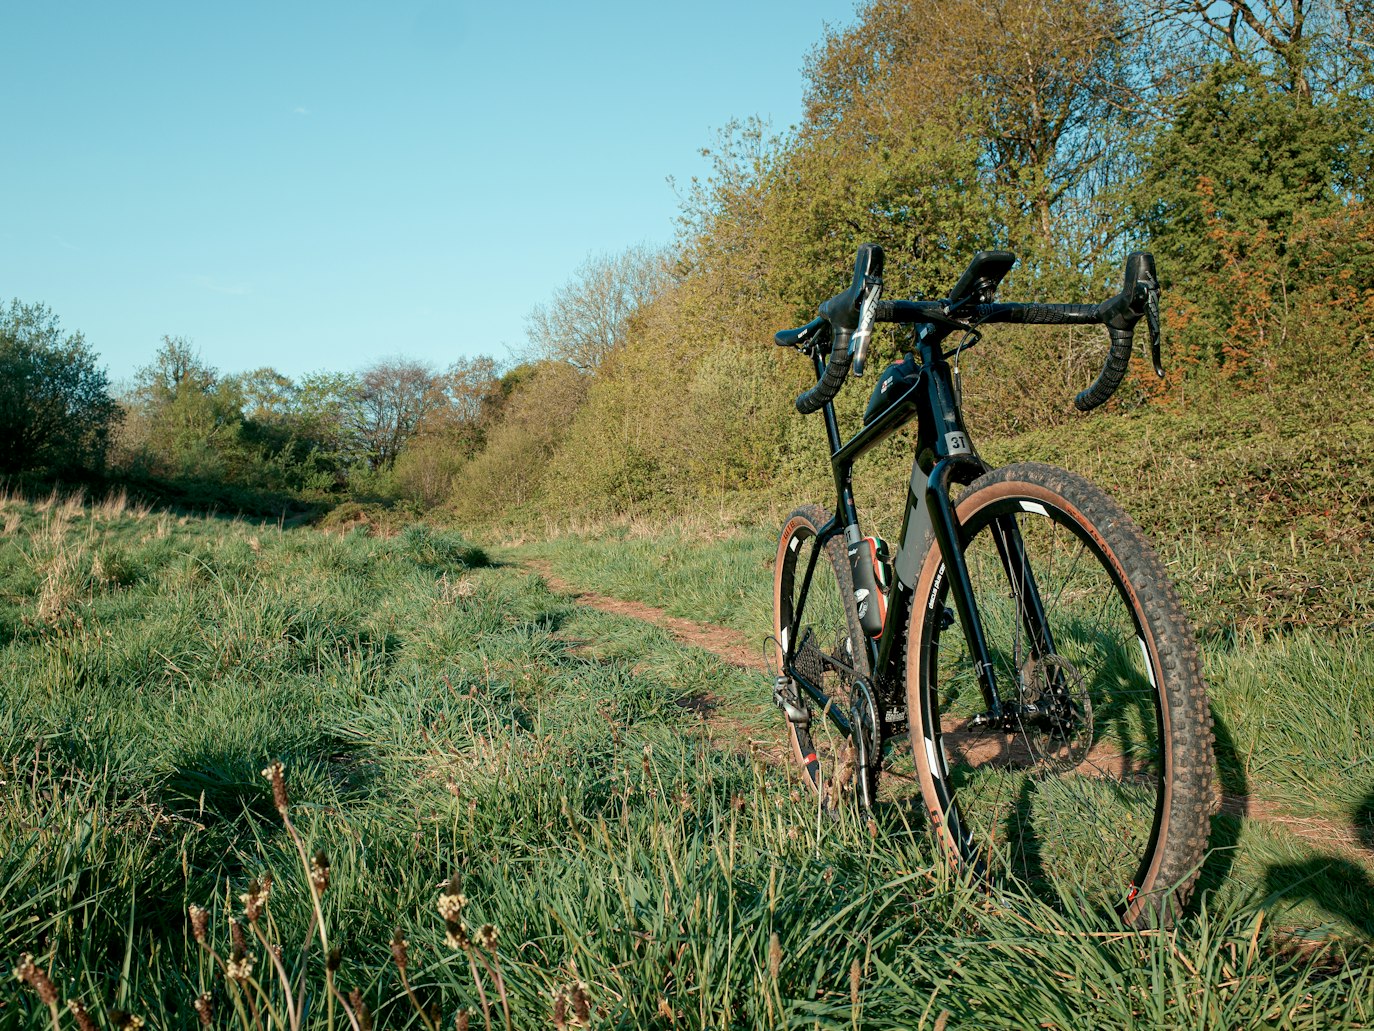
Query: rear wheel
x=828 y=650
x=1095 y=789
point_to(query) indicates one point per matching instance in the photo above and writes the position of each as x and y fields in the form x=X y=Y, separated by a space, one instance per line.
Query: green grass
x=439 y=713
x=1294 y=713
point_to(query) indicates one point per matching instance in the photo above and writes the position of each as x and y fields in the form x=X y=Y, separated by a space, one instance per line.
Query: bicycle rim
x=827 y=650
x=1069 y=799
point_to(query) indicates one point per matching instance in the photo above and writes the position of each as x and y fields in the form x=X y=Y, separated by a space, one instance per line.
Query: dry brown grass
x=65 y=581
x=117 y=505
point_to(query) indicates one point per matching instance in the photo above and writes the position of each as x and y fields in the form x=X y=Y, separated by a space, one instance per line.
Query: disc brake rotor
x=1060 y=732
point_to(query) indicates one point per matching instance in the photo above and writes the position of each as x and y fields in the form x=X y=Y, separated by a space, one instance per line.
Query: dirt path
x=727 y=645
x=734 y=648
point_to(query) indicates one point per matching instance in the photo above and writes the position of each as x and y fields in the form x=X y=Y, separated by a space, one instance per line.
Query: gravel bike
x=1023 y=633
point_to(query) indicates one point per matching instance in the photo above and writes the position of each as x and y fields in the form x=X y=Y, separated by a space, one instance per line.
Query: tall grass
x=637 y=868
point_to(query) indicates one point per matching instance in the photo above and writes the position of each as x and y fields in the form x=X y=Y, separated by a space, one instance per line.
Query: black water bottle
x=871 y=567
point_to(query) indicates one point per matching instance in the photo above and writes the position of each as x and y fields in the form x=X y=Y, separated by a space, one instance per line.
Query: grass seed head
x=125 y=1021
x=400 y=951
x=277 y=775
x=205 y=1009
x=36 y=978
x=486 y=937
x=774 y=956
x=456 y=935
x=452 y=901
x=240 y=966
x=319 y=872
x=582 y=1005
x=199 y=923
x=360 y=1010
x=334 y=960
x=255 y=898
x=83 y=1019
x=460 y=1022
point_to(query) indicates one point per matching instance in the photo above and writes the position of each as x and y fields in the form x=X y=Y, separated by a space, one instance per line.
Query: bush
x=56 y=412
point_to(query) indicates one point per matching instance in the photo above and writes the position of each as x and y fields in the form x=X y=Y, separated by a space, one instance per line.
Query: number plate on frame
x=957 y=444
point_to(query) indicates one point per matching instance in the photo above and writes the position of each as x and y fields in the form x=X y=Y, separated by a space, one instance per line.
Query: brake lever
x=868 y=313
x=1152 y=320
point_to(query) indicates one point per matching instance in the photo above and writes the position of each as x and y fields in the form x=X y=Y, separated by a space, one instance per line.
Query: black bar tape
x=1038 y=314
x=1118 y=361
x=1026 y=314
x=817 y=397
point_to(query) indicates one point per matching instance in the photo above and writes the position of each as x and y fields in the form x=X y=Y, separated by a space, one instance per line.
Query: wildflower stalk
x=494 y=968
x=239 y=989
x=481 y=992
x=36 y=978
x=331 y=964
x=292 y=1017
x=238 y=971
x=301 y=963
x=199 y=925
x=401 y=956
x=336 y=994
x=316 y=879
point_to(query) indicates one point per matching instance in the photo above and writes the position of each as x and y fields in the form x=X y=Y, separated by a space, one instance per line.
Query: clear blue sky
x=315 y=185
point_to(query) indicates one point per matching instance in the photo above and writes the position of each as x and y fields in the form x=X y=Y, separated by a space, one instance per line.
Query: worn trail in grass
x=732 y=647
x=1295 y=715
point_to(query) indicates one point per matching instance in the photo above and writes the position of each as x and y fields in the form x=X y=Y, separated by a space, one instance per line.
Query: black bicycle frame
x=944 y=456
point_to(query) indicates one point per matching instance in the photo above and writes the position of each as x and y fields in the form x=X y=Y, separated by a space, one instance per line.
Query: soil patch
x=725 y=644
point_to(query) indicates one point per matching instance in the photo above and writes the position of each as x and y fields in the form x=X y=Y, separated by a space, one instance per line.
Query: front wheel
x=1093 y=790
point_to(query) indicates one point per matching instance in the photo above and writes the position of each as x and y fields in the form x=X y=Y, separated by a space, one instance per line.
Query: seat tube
x=945 y=525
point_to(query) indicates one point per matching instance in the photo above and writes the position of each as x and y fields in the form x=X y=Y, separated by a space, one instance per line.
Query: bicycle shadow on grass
x=1336 y=884
x=1233 y=810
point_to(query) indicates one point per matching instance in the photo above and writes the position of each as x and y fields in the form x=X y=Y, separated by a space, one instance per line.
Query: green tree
x=56 y=412
x=268 y=396
x=452 y=432
x=191 y=419
x=1244 y=171
x=513 y=469
x=1046 y=92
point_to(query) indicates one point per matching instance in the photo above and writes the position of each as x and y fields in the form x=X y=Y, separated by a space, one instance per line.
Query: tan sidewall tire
x=811 y=518
x=1185 y=714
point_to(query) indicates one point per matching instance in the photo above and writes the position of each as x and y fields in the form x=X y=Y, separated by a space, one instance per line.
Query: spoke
x=1077 y=556
x=1063 y=803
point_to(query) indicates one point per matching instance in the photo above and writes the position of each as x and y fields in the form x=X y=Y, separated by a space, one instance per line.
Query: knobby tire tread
x=1186 y=824
x=813 y=517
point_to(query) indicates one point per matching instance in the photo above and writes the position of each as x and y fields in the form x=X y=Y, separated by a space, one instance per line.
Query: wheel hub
x=1057 y=713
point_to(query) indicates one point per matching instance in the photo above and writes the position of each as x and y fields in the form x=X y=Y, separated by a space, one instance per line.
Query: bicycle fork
x=945 y=528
